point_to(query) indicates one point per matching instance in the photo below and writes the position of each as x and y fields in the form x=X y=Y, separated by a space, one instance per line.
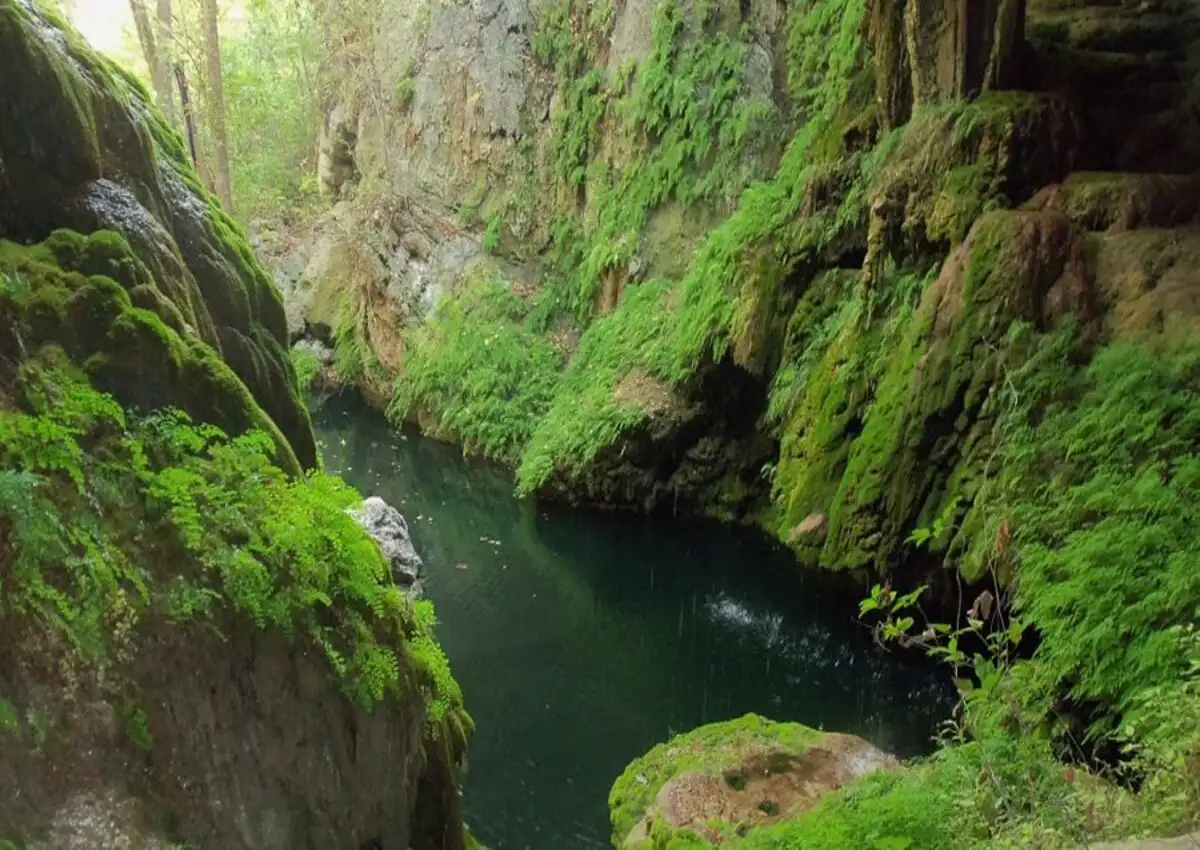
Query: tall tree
x=166 y=52
x=215 y=101
x=154 y=49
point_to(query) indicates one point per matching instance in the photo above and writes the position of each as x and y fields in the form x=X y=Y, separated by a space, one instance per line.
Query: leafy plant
x=307 y=366
x=94 y=508
x=486 y=375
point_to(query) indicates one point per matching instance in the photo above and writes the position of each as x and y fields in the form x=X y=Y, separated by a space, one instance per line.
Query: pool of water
x=581 y=640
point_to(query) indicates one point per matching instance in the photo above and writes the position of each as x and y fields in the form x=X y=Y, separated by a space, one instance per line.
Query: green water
x=581 y=640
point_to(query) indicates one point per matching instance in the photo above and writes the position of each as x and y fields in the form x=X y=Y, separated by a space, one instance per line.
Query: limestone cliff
x=200 y=644
x=758 y=261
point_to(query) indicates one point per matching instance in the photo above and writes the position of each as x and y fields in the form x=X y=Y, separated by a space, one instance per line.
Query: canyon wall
x=765 y=261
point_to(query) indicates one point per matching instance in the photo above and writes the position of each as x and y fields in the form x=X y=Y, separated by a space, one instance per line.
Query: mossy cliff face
x=201 y=645
x=784 y=287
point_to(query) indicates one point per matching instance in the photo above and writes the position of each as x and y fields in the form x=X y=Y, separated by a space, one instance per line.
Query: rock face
x=831 y=343
x=387 y=527
x=158 y=708
x=737 y=775
x=254 y=747
x=933 y=51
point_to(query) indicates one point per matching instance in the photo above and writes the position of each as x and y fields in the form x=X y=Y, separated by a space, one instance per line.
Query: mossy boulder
x=199 y=641
x=198 y=637
x=1117 y=201
x=142 y=353
x=725 y=779
x=82 y=149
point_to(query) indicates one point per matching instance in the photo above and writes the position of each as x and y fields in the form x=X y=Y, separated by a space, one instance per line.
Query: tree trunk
x=163 y=36
x=189 y=116
x=215 y=101
x=160 y=75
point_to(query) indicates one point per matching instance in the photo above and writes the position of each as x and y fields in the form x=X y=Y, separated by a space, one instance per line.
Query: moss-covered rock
x=146 y=358
x=198 y=639
x=183 y=620
x=959 y=159
x=1114 y=200
x=725 y=779
x=924 y=422
x=82 y=149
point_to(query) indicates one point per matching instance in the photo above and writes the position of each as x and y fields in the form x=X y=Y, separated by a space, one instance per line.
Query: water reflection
x=581 y=640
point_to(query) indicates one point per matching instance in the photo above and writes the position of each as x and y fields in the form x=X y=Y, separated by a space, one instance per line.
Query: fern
x=1100 y=470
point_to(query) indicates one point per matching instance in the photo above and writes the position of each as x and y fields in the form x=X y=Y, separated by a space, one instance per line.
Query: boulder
x=735 y=775
x=387 y=527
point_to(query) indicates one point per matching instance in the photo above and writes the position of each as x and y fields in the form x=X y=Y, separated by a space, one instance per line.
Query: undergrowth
x=487 y=376
x=1099 y=466
x=307 y=366
x=1094 y=463
x=668 y=329
x=100 y=510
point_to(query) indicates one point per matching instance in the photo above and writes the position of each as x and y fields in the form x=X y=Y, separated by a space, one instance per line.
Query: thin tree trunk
x=160 y=76
x=189 y=118
x=165 y=46
x=216 y=103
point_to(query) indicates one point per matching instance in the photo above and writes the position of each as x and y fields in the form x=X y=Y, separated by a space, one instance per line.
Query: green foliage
x=1099 y=467
x=96 y=507
x=665 y=329
x=353 y=358
x=406 y=87
x=443 y=696
x=307 y=366
x=485 y=374
x=1162 y=739
x=491 y=236
x=684 y=123
x=1096 y=462
x=584 y=417
x=273 y=105
x=1000 y=792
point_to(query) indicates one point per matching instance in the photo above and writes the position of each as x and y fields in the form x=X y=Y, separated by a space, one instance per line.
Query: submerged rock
x=733 y=777
x=388 y=528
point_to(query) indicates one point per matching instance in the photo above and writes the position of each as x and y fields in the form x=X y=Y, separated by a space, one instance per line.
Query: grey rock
x=323 y=352
x=103 y=820
x=387 y=527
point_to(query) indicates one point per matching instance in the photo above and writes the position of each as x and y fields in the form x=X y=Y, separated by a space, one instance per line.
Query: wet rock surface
x=388 y=528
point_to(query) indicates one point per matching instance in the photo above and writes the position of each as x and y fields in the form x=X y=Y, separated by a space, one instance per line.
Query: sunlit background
x=107 y=25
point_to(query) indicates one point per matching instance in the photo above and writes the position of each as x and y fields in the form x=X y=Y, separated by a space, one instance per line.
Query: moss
x=1119 y=201
x=924 y=438
x=810 y=213
x=958 y=160
x=308 y=368
x=159 y=511
x=129 y=351
x=477 y=367
x=48 y=126
x=75 y=118
x=835 y=353
x=707 y=749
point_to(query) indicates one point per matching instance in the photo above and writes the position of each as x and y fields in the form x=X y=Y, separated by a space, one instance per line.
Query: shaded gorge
x=581 y=640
